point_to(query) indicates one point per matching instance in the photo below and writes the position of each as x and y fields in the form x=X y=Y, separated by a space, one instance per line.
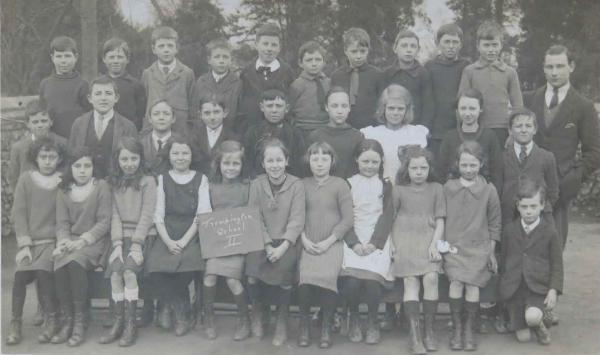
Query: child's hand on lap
x=308 y=245
x=358 y=249
x=493 y=263
x=23 y=255
x=117 y=253
x=77 y=244
x=368 y=249
x=278 y=252
x=136 y=254
x=434 y=253
x=551 y=299
x=173 y=247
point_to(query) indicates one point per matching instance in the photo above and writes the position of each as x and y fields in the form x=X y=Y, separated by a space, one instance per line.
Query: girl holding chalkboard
x=228 y=189
x=134 y=201
x=280 y=198
x=329 y=216
x=175 y=256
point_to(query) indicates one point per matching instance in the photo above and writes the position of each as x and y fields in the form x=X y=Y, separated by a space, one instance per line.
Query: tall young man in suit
x=565 y=119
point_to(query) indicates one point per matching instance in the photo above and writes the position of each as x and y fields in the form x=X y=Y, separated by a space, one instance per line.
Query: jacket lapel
x=564 y=111
x=117 y=130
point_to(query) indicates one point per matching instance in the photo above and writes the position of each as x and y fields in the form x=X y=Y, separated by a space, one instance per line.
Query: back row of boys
x=434 y=87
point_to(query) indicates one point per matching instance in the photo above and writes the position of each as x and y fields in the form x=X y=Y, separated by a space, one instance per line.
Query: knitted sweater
x=66 y=99
x=343 y=140
x=445 y=79
x=133 y=212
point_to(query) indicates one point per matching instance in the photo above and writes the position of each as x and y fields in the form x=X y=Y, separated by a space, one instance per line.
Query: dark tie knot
x=264 y=70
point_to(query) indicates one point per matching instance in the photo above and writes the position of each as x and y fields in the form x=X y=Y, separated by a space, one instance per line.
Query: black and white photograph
x=300 y=177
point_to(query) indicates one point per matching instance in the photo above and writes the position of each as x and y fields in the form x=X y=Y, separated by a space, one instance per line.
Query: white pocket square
x=570 y=125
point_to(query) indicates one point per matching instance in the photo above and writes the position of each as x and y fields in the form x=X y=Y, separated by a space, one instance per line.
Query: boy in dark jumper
x=274 y=106
x=219 y=82
x=132 y=96
x=267 y=72
x=446 y=70
x=531 y=266
x=308 y=91
x=64 y=91
x=361 y=80
x=409 y=73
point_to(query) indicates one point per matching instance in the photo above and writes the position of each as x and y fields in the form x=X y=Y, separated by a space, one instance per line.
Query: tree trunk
x=89 y=40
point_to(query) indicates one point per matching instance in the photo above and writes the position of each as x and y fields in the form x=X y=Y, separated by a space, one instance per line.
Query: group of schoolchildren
x=362 y=180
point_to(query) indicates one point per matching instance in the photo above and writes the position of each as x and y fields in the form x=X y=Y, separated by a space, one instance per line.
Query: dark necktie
x=554 y=100
x=320 y=93
x=264 y=70
x=160 y=144
x=523 y=154
x=165 y=70
x=353 y=86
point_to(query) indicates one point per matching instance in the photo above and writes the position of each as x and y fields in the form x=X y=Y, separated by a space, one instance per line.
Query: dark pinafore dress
x=181 y=203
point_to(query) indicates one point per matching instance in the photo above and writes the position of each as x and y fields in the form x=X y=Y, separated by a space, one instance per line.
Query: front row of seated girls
x=325 y=234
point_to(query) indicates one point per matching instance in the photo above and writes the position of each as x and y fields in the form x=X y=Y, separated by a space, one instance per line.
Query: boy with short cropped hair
x=102 y=128
x=363 y=81
x=219 y=81
x=531 y=266
x=446 y=70
x=498 y=82
x=308 y=91
x=168 y=77
x=408 y=72
x=525 y=158
x=38 y=125
x=274 y=106
x=267 y=72
x=209 y=131
x=132 y=96
x=64 y=91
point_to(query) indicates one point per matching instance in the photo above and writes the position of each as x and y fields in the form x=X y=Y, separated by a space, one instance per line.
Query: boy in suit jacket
x=531 y=265
x=267 y=72
x=161 y=118
x=206 y=134
x=525 y=159
x=168 y=78
x=220 y=82
x=565 y=119
x=102 y=128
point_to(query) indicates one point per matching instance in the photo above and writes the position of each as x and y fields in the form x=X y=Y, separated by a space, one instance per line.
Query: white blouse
x=391 y=140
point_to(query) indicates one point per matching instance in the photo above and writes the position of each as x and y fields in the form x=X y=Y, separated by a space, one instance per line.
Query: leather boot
x=256 y=320
x=354 y=331
x=470 y=321
x=389 y=318
x=50 y=328
x=456 y=313
x=38 y=318
x=209 y=294
x=242 y=328
x=413 y=316
x=78 y=334
x=304 y=331
x=182 y=325
x=542 y=333
x=117 y=327
x=373 y=335
x=325 y=342
x=429 y=310
x=147 y=314
x=165 y=315
x=281 y=326
x=14 y=333
x=129 y=331
x=108 y=321
x=209 y=322
x=67 y=326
